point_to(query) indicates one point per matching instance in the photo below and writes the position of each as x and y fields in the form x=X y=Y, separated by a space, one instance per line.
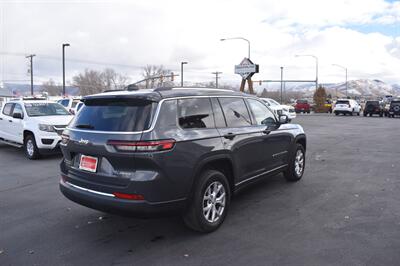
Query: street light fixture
x=345 y=69
x=182 y=63
x=239 y=38
x=316 y=66
x=63 y=65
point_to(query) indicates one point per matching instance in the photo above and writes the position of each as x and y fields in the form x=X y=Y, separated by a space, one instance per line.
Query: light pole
x=239 y=38
x=182 y=63
x=316 y=67
x=63 y=65
x=281 y=84
x=31 y=70
x=345 y=69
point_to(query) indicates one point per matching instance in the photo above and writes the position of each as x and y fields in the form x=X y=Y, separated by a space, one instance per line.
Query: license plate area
x=88 y=163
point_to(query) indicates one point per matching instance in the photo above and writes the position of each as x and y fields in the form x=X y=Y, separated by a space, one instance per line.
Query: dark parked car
x=394 y=108
x=302 y=106
x=373 y=108
x=151 y=152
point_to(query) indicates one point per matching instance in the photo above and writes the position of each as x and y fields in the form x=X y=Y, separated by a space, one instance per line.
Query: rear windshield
x=302 y=101
x=45 y=109
x=374 y=103
x=342 y=102
x=126 y=115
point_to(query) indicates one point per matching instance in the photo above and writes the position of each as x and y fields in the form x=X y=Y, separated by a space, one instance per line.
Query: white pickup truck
x=33 y=124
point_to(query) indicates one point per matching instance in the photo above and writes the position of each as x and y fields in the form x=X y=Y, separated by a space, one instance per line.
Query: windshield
x=273 y=102
x=45 y=109
x=126 y=115
x=74 y=103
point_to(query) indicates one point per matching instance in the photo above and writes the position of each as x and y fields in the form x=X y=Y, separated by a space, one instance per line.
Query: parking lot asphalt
x=345 y=211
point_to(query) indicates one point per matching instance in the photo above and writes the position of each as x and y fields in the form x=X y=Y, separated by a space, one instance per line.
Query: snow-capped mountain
x=360 y=87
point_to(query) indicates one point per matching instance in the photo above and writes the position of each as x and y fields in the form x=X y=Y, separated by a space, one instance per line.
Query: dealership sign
x=246 y=68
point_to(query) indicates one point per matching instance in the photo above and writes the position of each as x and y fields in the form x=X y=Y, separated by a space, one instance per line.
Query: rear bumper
x=109 y=203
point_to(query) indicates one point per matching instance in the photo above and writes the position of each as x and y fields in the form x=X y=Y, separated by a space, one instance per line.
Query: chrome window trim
x=90 y=190
x=154 y=122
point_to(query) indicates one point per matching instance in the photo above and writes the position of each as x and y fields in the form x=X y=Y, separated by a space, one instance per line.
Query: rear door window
x=8 y=108
x=236 y=113
x=120 y=115
x=195 y=113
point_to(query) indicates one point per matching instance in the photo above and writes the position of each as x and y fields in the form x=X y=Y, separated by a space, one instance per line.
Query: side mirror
x=283 y=119
x=17 y=115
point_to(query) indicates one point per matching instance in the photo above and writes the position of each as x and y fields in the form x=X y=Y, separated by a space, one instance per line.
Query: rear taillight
x=64 y=139
x=128 y=196
x=142 y=146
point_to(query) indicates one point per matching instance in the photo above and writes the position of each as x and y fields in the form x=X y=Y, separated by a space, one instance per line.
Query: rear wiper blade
x=86 y=126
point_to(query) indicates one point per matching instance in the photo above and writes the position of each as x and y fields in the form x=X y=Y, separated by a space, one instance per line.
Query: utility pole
x=63 y=65
x=182 y=63
x=31 y=70
x=281 y=84
x=216 y=78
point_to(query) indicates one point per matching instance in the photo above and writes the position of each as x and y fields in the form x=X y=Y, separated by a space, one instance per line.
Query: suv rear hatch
x=372 y=106
x=100 y=144
x=343 y=104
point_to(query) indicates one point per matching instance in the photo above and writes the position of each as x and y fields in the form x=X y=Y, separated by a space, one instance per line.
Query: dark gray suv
x=179 y=150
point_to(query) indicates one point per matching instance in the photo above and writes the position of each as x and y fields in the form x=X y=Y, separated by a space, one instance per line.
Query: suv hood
x=53 y=120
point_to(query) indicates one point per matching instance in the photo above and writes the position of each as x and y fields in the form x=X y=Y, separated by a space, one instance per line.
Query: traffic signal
x=172 y=76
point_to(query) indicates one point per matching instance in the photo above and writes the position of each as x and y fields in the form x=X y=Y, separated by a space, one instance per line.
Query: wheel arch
x=301 y=139
x=220 y=162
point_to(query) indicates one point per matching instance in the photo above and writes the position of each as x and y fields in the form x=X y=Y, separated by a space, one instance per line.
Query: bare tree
x=152 y=73
x=113 y=80
x=51 y=88
x=92 y=81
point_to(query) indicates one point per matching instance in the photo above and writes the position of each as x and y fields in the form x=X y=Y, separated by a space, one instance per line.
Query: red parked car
x=302 y=106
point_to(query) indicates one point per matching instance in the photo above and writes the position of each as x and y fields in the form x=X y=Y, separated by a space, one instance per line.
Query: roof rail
x=113 y=90
x=163 y=89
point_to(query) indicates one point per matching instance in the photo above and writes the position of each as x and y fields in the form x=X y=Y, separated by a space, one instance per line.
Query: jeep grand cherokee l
x=186 y=150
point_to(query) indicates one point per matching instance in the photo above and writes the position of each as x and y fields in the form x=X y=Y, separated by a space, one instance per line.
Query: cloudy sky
x=362 y=35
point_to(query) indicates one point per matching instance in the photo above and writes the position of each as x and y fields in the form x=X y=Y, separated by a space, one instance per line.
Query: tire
x=365 y=114
x=293 y=174
x=30 y=148
x=194 y=217
x=336 y=113
x=381 y=115
x=308 y=112
x=358 y=114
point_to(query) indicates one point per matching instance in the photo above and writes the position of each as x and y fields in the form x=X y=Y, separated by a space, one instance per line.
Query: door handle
x=1 y=118
x=266 y=131
x=229 y=136
x=10 y=121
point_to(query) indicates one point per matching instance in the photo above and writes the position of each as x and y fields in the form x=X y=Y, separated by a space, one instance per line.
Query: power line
x=50 y=57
